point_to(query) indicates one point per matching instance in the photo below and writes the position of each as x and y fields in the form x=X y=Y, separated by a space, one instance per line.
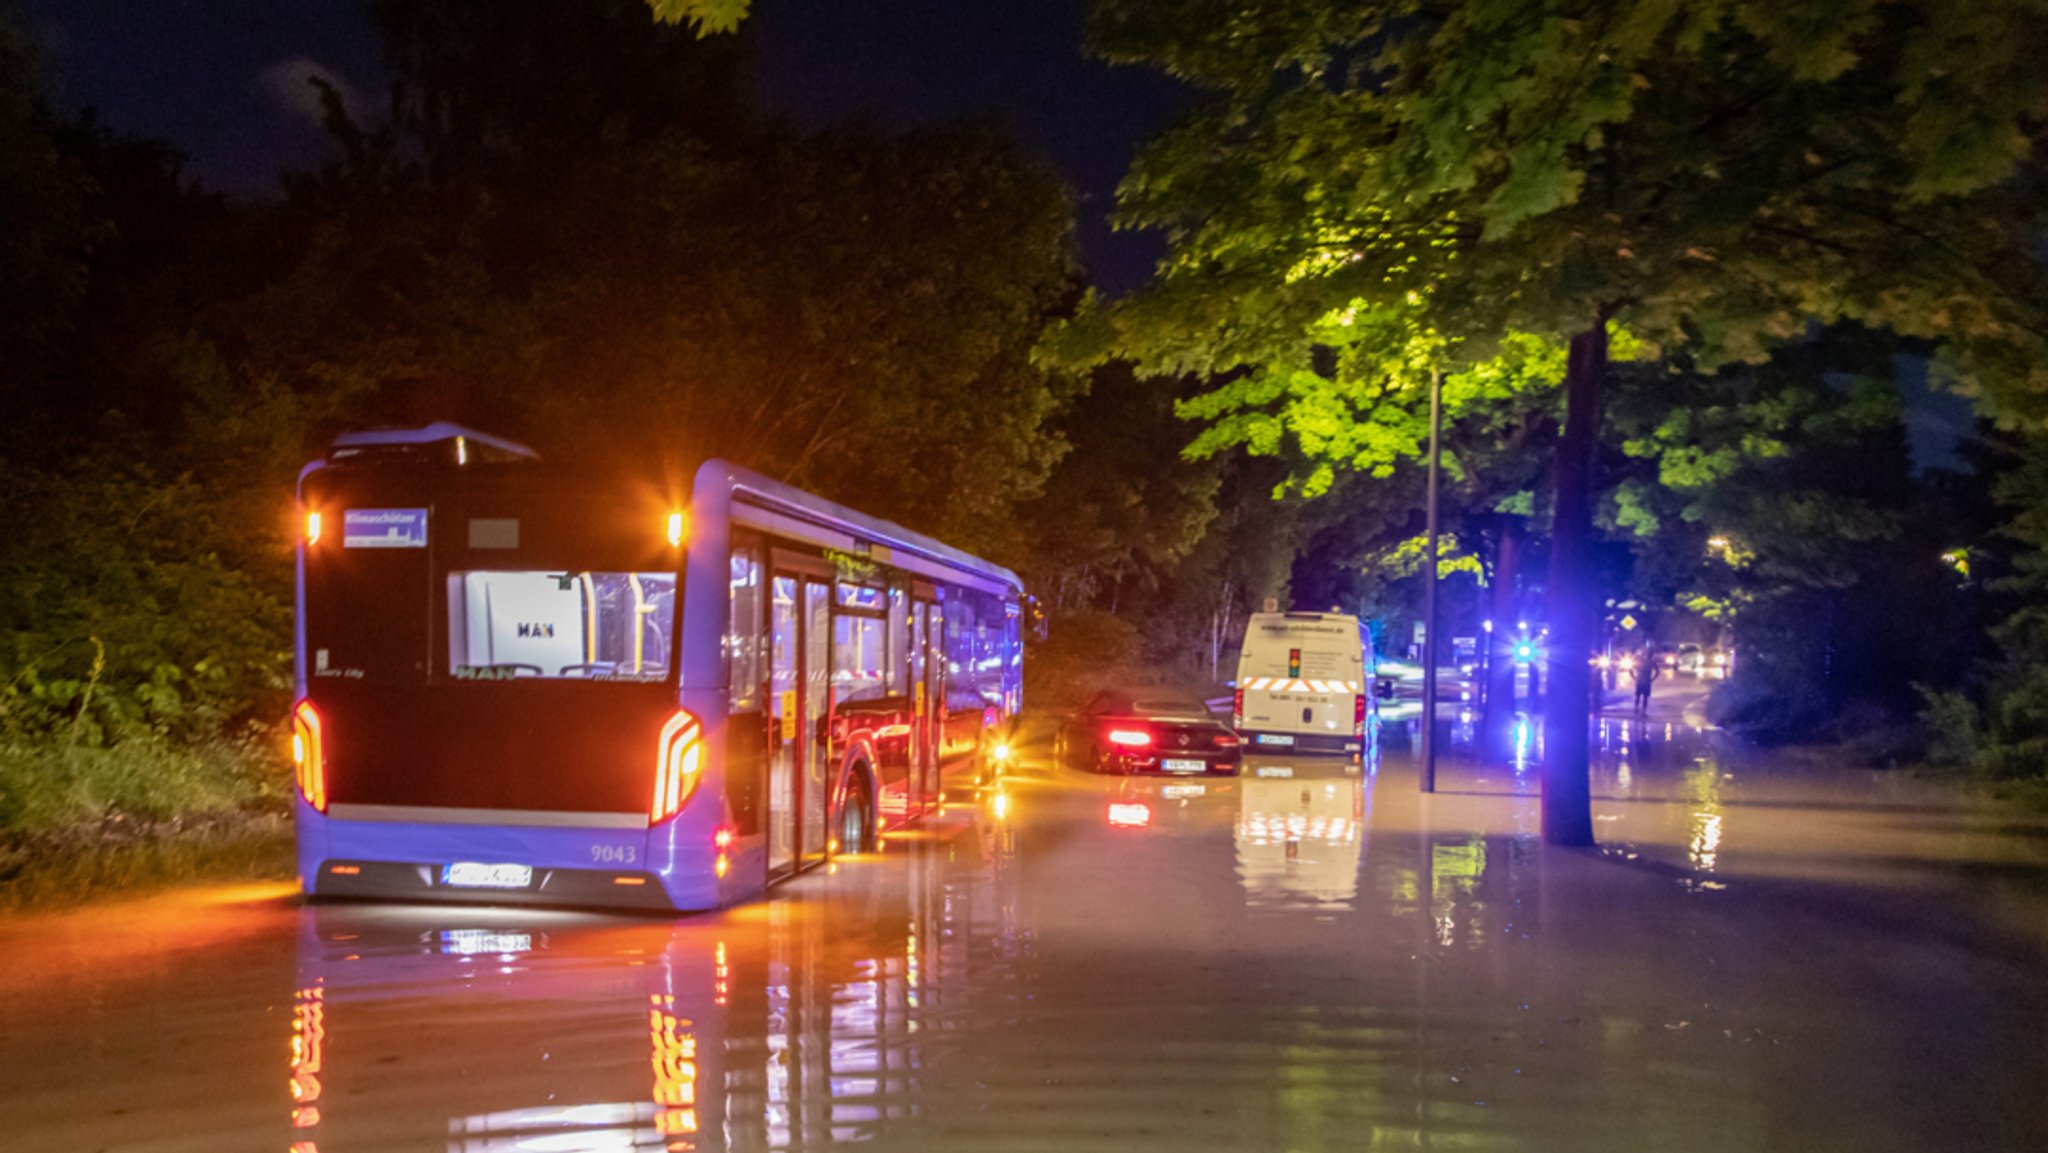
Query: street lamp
x=1436 y=425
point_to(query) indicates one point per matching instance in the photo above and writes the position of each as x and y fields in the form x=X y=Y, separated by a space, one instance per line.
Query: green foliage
x=1122 y=509
x=48 y=788
x=704 y=17
x=1712 y=176
x=131 y=604
x=1085 y=652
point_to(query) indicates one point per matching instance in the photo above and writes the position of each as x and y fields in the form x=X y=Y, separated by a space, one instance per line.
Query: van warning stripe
x=1284 y=685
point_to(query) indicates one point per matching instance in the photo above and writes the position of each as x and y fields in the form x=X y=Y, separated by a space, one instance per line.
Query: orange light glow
x=675 y=1071
x=629 y=880
x=346 y=870
x=679 y=757
x=309 y=754
x=312 y=528
x=721 y=866
x=723 y=838
x=1132 y=737
x=678 y=524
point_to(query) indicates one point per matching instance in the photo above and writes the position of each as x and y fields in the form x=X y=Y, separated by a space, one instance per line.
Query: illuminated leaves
x=705 y=17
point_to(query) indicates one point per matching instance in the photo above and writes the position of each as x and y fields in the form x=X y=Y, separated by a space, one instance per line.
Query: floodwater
x=1309 y=957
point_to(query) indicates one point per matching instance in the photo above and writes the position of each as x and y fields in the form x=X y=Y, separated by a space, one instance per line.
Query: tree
x=1778 y=500
x=1712 y=177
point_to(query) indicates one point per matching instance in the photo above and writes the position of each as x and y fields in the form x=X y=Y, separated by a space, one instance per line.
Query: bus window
x=895 y=682
x=962 y=693
x=743 y=631
x=856 y=658
x=601 y=626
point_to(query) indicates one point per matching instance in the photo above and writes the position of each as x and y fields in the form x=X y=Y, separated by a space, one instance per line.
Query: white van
x=1304 y=683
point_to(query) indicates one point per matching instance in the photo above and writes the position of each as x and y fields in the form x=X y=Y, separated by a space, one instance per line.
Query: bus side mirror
x=1037 y=626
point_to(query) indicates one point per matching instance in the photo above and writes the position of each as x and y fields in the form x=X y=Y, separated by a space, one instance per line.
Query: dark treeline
x=568 y=225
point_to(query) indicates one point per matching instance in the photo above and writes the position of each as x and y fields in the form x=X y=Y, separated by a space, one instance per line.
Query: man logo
x=541 y=631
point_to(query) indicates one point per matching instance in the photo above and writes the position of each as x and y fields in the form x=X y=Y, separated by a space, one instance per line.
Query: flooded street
x=1308 y=957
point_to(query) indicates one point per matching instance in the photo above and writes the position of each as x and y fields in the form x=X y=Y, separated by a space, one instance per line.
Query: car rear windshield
x=1170 y=706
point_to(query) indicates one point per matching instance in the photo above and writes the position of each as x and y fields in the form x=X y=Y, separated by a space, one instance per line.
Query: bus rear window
x=598 y=626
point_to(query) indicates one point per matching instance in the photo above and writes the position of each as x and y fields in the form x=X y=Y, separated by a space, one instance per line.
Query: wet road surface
x=1309 y=957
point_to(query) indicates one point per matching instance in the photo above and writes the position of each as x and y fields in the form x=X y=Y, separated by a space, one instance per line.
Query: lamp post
x=1436 y=423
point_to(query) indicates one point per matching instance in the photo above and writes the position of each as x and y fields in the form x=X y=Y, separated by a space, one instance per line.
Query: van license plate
x=1275 y=739
x=479 y=875
x=1182 y=766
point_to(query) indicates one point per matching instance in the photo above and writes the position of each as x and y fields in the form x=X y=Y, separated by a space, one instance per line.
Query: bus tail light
x=309 y=754
x=679 y=762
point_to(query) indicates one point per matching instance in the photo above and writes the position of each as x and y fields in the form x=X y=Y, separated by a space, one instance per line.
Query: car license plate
x=479 y=875
x=1182 y=792
x=1275 y=739
x=1173 y=766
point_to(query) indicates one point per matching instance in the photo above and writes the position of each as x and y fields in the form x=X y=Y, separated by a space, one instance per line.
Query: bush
x=1083 y=654
x=50 y=787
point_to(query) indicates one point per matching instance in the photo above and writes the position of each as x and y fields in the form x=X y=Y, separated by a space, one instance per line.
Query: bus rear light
x=629 y=881
x=721 y=866
x=679 y=762
x=722 y=839
x=309 y=754
x=1130 y=738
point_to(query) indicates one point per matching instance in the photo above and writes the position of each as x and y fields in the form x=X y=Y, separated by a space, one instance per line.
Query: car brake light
x=679 y=761
x=309 y=754
x=1135 y=738
x=1226 y=741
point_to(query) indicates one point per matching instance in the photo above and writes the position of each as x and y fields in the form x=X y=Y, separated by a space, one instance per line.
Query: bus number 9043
x=614 y=854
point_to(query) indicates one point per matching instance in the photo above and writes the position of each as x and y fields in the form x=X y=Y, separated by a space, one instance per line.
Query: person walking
x=1646 y=672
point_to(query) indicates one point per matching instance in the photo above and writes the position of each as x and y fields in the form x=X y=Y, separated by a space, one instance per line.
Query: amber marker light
x=309 y=754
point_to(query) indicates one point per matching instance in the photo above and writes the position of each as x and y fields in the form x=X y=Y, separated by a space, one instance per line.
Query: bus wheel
x=853 y=820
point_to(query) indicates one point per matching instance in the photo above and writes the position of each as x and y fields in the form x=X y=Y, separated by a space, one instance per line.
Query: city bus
x=525 y=684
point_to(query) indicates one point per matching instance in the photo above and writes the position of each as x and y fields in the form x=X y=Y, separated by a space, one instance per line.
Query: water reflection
x=774 y=1027
x=1300 y=831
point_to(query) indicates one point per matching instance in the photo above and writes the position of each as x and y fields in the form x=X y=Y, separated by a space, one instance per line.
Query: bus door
x=927 y=702
x=800 y=670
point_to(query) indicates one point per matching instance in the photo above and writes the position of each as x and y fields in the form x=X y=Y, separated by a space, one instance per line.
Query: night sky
x=224 y=81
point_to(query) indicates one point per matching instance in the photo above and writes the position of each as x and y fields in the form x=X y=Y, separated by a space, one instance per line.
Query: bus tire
x=856 y=818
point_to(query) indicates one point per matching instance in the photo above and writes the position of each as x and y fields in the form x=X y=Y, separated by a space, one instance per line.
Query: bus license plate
x=1182 y=766
x=479 y=875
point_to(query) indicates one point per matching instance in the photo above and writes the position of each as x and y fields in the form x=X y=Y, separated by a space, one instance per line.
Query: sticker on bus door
x=789 y=714
x=384 y=528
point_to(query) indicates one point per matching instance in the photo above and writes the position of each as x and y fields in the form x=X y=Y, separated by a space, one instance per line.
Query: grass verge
x=82 y=821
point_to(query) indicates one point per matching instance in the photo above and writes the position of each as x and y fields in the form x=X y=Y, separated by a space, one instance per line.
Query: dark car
x=1148 y=731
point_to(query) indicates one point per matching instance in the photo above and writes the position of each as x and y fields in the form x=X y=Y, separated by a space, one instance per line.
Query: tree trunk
x=1571 y=600
x=1497 y=722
